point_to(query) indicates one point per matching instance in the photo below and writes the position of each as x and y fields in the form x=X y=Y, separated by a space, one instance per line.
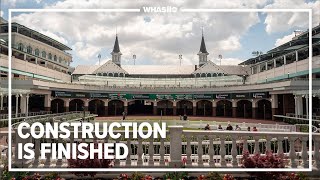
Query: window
x=50 y=56
x=55 y=58
x=36 y=52
x=20 y=46
x=44 y=54
x=29 y=49
x=60 y=59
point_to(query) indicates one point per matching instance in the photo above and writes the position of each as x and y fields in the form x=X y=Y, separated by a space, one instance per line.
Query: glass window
x=20 y=46
x=29 y=49
x=60 y=59
x=50 y=56
x=44 y=54
x=36 y=52
x=55 y=58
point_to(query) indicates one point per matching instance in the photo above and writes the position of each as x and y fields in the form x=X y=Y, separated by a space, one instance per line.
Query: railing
x=4 y=122
x=5 y=116
x=314 y=117
x=298 y=120
x=214 y=149
x=214 y=125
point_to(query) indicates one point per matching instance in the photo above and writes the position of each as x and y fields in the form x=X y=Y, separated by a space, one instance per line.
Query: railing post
x=175 y=146
x=292 y=153
x=20 y=162
x=316 y=140
x=304 y=153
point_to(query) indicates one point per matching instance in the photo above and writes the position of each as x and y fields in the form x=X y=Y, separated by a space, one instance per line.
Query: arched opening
x=110 y=74
x=203 y=75
x=21 y=47
x=29 y=49
x=44 y=54
x=204 y=108
x=224 y=108
x=141 y=107
x=50 y=56
x=115 y=107
x=165 y=107
x=96 y=106
x=244 y=109
x=37 y=52
x=36 y=103
x=57 y=106
x=184 y=107
x=76 y=105
x=264 y=110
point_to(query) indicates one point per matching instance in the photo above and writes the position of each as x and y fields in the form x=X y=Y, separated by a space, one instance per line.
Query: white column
x=175 y=141
x=23 y=104
x=1 y=101
x=27 y=104
x=307 y=105
x=297 y=56
x=299 y=105
x=17 y=104
x=47 y=102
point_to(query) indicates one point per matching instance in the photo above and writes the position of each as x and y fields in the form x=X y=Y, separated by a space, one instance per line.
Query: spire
x=203 y=48
x=116 y=47
x=203 y=53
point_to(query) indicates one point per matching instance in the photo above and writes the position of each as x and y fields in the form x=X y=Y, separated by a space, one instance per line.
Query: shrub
x=268 y=160
x=89 y=163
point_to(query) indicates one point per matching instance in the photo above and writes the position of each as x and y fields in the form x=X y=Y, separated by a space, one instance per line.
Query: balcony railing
x=199 y=149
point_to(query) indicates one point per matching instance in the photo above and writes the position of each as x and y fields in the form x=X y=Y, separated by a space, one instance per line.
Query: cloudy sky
x=158 y=38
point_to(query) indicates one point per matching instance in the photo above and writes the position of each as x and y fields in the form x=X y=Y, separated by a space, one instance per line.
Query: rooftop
x=21 y=29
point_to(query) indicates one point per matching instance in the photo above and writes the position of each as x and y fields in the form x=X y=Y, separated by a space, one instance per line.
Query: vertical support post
x=175 y=141
x=27 y=105
x=1 y=102
x=194 y=108
x=155 y=107
x=234 y=108
x=17 y=104
x=274 y=105
x=23 y=104
x=214 y=108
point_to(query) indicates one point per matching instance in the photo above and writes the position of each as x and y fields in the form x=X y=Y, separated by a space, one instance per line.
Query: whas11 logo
x=160 y=9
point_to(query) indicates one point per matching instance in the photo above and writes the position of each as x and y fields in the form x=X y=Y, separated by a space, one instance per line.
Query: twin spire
x=116 y=47
x=116 y=54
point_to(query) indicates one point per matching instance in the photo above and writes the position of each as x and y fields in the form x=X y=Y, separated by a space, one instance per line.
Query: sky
x=159 y=38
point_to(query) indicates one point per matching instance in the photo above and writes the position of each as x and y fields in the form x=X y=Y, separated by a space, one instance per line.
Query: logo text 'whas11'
x=164 y=9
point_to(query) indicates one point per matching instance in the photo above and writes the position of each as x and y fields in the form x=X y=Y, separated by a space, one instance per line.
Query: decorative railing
x=199 y=149
x=68 y=115
x=199 y=124
x=5 y=116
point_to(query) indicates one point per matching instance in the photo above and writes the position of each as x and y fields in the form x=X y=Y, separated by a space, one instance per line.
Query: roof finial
x=202 y=30
x=116 y=30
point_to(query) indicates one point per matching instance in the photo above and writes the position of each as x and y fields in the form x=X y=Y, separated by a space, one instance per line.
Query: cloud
x=85 y=51
x=284 y=39
x=277 y=22
x=154 y=38
x=54 y=36
x=228 y=61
